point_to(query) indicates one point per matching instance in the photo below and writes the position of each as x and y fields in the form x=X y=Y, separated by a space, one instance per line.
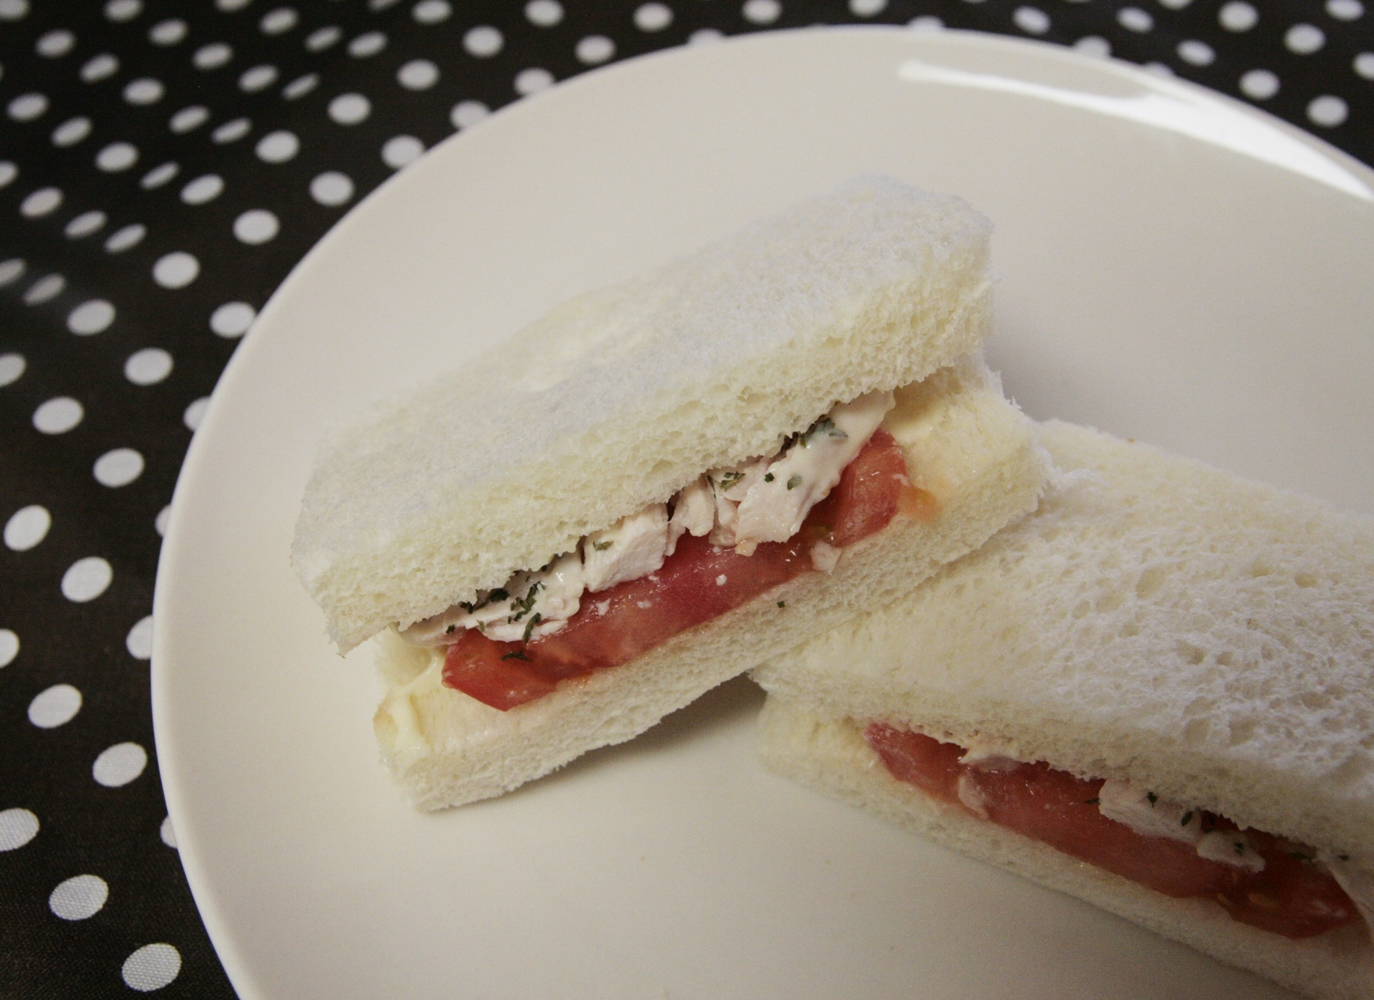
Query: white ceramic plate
x=1173 y=267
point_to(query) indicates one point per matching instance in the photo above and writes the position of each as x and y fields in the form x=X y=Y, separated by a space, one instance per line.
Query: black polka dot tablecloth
x=163 y=164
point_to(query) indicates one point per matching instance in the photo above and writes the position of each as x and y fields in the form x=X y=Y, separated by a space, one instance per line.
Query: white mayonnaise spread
x=1151 y=816
x=1230 y=847
x=762 y=500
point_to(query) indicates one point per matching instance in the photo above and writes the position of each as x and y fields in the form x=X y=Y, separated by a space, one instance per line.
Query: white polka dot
x=8 y=172
x=232 y=131
x=168 y=835
x=86 y=579
x=322 y=38
x=55 y=44
x=1259 y=84
x=926 y=22
x=55 y=707
x=116 y=156
x=257 y=225
x=468 y=113
x=1135 y=19
x=17 y=826
x=92 y=316
x=99 y=68
x=169 y=32
x=160 y=522
x=1031 y=20
x=195 y=413
x=1304 y=39
x=125 y=238
x=277 y=147
x=367 y=45
x=41 y=202
x=148 y=366
x=381 y=4
x=139 y=641
x=595 y=49
x=123 y=10
x=657 y=16
x=1364 y=65
x=118 y=765
x=1345 y=10
x=204 y=188
x=27 y=527
x=705 y=36
x=401 y=151
x=158 y=176
x=71 y=131
x=1175 y=4
x=331 y=188
x=1238 y=16
x=527 y=81
x=418 y=74
x=79 y=897
x=176 y=269
x=232 y=5
x=1094 y=45
x=483 y=41
x=151 y=967
x=867 y=8
x=188 y=119
x=58 y=415
x=300 y=86
x=257 y=78
x=278 y=21
x=27 y=107
x=144 y=90
x=11 y=368
x=10 y=271
x=544 y=13
x=212 y=56
x=350 y=109
x=85 y=224
x=233 y=318
x=45 y=288
x=762 y=11
x=1328 y=111
x=1196 y=53
x=13 y=10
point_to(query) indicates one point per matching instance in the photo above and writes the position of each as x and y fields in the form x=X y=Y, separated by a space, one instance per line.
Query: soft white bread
x=1157 y=620
x=620 y=397
x=965 y=445
x=831 y=756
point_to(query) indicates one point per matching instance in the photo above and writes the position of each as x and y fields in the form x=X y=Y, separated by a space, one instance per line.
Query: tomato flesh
x=1291 y=896
x=697 y=583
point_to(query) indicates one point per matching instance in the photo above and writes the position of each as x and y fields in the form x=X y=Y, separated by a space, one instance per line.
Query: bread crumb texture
x=620 y=397
x=831 y=757
x=1207 y=637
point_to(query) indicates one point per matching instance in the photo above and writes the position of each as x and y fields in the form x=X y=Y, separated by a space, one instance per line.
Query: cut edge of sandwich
x=831 y=756
x=621 y=397
x=964 y=444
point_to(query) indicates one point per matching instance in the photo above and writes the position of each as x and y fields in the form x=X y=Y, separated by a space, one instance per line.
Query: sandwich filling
x=1258 y=878
x=723 y=540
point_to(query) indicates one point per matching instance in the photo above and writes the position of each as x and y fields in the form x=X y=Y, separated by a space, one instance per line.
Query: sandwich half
x=1156 y=693
x=662 y=483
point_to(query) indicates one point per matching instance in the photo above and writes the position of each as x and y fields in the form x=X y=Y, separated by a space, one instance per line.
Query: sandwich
x=662 y=483
x=1155 y=693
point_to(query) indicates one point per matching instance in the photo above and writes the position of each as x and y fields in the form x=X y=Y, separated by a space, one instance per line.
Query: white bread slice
x=621 y=397
x=831 y=756
x=1156 y=620
x=965 y=445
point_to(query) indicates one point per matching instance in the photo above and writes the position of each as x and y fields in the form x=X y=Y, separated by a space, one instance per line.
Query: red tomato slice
x=1290 y=896
x=697 y=583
